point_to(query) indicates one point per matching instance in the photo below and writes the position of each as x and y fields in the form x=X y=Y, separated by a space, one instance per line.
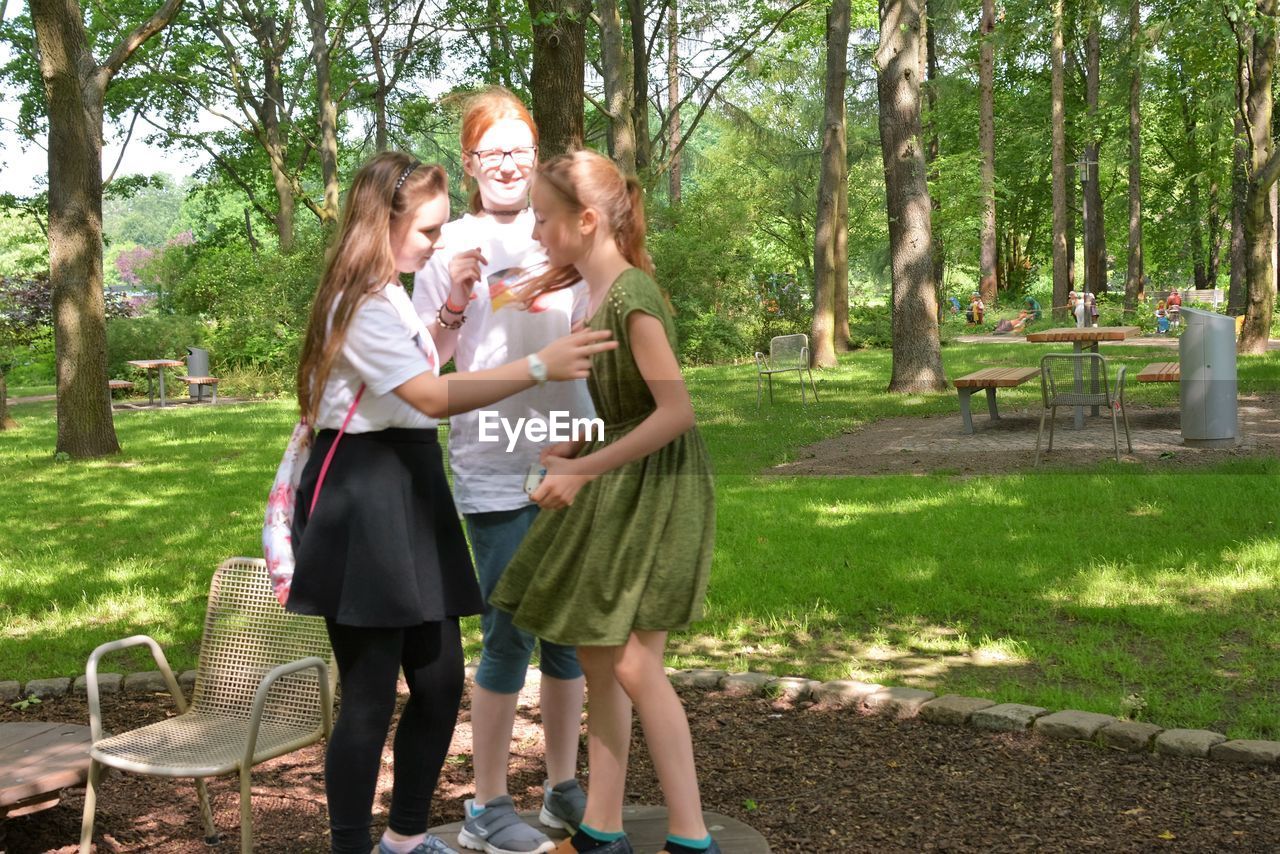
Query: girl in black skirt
x=383 y=558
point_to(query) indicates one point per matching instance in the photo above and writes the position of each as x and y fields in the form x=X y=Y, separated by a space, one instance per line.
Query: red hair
x=385 y=190
x=482 y=111
x=585 y=179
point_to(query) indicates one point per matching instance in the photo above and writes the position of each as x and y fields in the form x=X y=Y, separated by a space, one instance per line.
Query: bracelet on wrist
x=451 y=325
x=448 y=306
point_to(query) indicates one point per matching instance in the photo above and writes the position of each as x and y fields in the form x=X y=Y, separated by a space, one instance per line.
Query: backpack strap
x=324 y=468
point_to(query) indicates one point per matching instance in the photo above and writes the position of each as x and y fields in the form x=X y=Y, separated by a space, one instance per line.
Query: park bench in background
x=200 y=383
x=990 y=379
x=117 y=385
x=1160 y=372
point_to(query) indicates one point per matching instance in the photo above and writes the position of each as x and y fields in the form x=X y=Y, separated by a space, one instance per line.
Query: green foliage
x=256 y=304
x=165 y=336
x=24 y=250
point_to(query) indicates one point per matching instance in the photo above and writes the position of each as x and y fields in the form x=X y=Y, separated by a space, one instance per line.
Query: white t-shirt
x=386 y=345
x=487 y=476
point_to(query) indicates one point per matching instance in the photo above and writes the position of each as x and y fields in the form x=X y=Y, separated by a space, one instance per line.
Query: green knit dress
x=633 y=552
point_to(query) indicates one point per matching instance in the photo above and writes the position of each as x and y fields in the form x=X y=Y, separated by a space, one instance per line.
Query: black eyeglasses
x=523 y=156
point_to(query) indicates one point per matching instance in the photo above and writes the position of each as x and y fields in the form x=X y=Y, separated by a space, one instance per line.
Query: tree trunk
x=617 y=86
x=987 y=148
x=917 y=352
x=673 y=98
x=1061 y=273
x=556 y=82
x=934 y=148
x=6 y=421
x=75 y=87
x=328 y=111
x=1215 y=236
x=273 y=136
x=380 y=80
x=827 y=223
x=842 y=337
x=1236 y=292
x=640 y=83
x=1264 y=166
x=74 y=98
x=1095 y=262
x=1133 y=271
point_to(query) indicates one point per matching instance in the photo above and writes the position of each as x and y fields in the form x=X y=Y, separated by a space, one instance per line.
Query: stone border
x=899 y=702
x=983 y=714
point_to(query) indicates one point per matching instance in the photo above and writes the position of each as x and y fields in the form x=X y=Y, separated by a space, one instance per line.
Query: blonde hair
x=585 y=179
x=385 y=190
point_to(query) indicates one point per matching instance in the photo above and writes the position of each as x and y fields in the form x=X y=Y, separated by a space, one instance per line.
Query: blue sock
x=685 y=845
x=588 y=837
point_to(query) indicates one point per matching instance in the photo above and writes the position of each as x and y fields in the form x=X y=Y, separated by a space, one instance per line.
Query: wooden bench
x=1160 y=372
x=990 y=379
x=116 y=385
x=200 y=383
x=1212 y=296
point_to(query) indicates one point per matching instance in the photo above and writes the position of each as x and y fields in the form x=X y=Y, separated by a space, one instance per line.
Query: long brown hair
x=391 y=186
x=585 y=179
x=482 y=111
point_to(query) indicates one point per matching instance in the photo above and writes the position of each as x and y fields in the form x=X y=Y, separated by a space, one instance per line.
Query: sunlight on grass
x=1064 y=591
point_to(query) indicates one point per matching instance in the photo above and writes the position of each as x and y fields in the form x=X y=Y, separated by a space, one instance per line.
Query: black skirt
x=384 y=547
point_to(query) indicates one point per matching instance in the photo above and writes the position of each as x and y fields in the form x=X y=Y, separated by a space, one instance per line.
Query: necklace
x=493 y=212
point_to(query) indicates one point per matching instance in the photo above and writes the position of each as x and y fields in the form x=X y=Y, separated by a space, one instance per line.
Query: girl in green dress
x=621 y=553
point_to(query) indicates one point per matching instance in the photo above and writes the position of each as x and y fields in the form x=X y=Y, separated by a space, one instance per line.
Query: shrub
x=165 y=336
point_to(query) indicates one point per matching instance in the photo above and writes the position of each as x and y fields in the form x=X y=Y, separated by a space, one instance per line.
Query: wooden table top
x=155 y=363
x=39 y=758
x=1088 y=333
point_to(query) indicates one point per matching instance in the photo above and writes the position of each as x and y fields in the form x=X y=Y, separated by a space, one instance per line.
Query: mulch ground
x=808 y=778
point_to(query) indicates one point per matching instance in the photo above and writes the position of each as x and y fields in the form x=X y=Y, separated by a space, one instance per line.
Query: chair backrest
x=789 y=351
x=1058 y=371
x=247 y=633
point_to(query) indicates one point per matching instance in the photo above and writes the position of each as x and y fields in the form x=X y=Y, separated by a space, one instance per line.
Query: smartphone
x=537 y=472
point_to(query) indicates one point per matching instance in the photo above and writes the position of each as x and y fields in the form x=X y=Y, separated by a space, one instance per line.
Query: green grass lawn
x=1057 y=589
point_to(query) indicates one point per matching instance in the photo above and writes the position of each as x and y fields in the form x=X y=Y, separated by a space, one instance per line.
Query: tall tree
x=933 y=148
x=917 y=352
x=556 y=83
x=1061 y=271
x=1095 y=259
x=1257 y=51
x=1133 y=271
x=987 y=151
x=618 y=93
x=75 y=85
x=322 y=57
x=640 y=55
x=673 y=98
x=833 y=178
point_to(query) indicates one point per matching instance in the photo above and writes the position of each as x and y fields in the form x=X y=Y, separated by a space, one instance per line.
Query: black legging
x=369 y=662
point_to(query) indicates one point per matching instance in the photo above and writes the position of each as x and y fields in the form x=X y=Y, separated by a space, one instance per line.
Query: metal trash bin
x=197 y=366
x=1207 y=361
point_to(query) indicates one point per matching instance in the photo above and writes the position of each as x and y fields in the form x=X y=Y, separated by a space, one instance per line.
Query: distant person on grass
x=491 y=252
x=621 y=553
x=383 y=558
x=977 y=309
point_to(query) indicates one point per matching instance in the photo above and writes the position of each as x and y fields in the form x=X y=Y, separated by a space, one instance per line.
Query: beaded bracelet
x=444 y=324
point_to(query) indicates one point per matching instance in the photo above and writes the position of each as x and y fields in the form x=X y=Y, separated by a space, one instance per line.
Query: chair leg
x=803 y=401
x=246 y=813
x=90 y=805
x=1053 y=416
x=1124 y=416
x=769 y=377
x=1115 y=432
x=206 y=813
x=813 y=385
x=1040 y=433
x=758 y=390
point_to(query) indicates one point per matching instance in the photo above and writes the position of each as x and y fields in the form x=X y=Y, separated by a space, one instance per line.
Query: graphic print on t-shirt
x=504 y=286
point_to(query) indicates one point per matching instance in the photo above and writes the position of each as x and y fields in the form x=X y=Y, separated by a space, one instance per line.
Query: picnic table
x=1082 y=339
x=157 y=365
x=37 y=761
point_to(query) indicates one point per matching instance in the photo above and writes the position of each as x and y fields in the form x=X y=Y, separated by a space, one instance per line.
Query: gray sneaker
x=498 y=830
x=430 y=845
x=563 y=805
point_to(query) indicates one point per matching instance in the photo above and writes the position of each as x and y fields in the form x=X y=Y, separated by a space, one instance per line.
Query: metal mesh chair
x=786 y=353
x=263 y=688
x=1062 y=383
